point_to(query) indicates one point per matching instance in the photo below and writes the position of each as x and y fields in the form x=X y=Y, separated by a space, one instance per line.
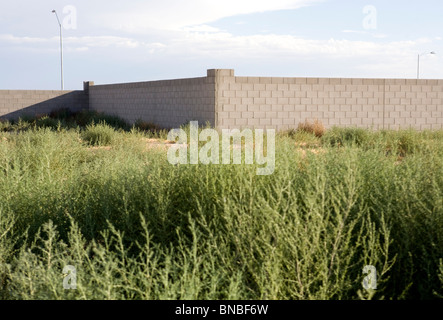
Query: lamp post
x=418 y=64
x=61 y=48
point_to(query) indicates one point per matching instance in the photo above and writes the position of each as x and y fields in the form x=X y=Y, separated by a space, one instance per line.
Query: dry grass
x=317 y=128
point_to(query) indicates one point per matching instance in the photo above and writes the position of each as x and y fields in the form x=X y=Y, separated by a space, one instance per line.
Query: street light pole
x=418 y=63
x=61 y=48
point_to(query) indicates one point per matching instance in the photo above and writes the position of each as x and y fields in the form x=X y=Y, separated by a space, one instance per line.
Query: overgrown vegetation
x=136 y=227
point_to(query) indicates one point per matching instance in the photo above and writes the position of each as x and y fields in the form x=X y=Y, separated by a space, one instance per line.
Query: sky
x=134 y=40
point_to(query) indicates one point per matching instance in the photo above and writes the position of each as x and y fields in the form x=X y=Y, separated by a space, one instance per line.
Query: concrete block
x=289 y=108
x=405 y=101
x=234 y=114
x=241 y=94
x=311 y=108
x=225 y=72
x=271 y=101
x=312 y=94
x=357 y=94
x=405 y=114
x=351 y=114
x=289 y=121
x=265 y=94
x=265 y=107
x=253 y=122
x=282 y=115
x=259 y=86
x=345 y=121
x=345 y=107
x=335 y=81
x=323 y=81
x=241 y=122
x=277 y=94
x=242 y=108
x=253 y=80
x=294 y=87
x=306 y=115
x=400 y=121
x=246 y=101
x=229 y=107
x=282 y=101
x=323 y=108
x=356 y=121
x=265 y=80
x=265 y=121
x=295 y=115
x=289 y=80
x=288 y=94
x=235 y=100
x=317 y=115
x=259 y=101
x=312 y=81
x=301 y=94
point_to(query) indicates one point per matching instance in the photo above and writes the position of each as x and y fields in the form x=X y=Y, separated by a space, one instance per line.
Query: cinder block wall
x=227 y=101
x=19 y=103
x=282 y=103
x=168 y=103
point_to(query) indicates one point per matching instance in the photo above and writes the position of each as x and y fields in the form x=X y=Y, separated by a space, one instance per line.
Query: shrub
x=146 y=126
x=47 y=122
x=87 y=117
x=316 y=128
x=136 y=227
x=402 y=142
x=345 y=136
x=5 y=125
x=61 y=114
x=98 y=135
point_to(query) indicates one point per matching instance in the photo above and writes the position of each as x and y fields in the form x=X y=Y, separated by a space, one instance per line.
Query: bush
x=47 y=122
x=61 y=114
x=87 y=117
x=146 y=126
x=99 y=135
x=316 y=128
x=5 y=125
x=346 y=136
x=402 y=142
x=136 y=227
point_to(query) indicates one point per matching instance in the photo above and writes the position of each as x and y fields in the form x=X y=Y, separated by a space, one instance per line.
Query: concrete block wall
x=283 y=103
x=19 y=103
x=168 y=104
x=227 y=101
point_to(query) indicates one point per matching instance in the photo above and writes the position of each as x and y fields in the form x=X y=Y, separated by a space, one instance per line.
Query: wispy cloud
x=77 y=43
x=176 y=14
x=367 y=33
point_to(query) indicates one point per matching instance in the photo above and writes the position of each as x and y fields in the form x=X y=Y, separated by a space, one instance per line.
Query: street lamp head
x=432 y=52
x=53 y=11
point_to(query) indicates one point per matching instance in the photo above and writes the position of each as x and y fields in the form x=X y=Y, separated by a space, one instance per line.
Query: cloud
x=206 y=40
x=177 y=14
x=78 y=44
x=372 y=34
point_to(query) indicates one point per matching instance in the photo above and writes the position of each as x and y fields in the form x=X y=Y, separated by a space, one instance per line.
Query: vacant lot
x=106 y=201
